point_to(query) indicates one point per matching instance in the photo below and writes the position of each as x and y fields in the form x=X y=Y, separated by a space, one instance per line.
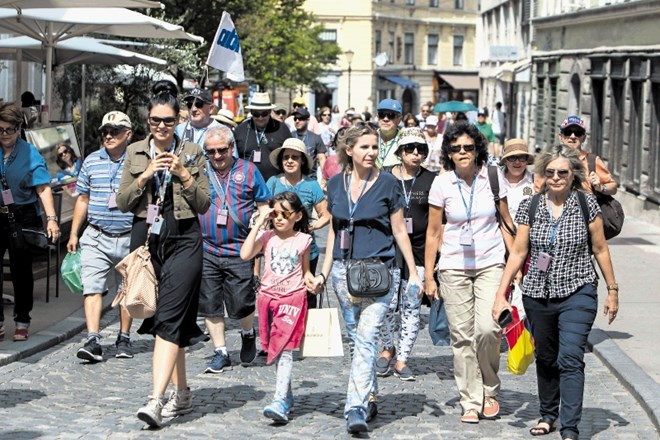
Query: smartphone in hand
x=505 y=318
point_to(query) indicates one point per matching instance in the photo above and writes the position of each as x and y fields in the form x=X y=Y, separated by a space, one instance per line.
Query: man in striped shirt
x=107 y=238
x=236 y=187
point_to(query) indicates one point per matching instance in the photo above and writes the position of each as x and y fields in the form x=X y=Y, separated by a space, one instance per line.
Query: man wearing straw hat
x=259 y=135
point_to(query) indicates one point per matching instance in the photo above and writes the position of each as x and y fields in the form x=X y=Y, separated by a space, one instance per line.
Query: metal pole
x=349 y=85
x=83 y=111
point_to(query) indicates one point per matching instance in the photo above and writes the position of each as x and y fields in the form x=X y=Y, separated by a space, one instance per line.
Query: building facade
x=601 y=59
x=411 y=50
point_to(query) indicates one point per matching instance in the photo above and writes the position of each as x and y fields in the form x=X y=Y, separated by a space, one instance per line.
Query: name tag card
x=157 y=225
x=256 y=157
x=112 y=201
x=221 y=219
x=543 y=262
x=7 y=197
x=152 y=213
x=466 y=238
x=409 y=225
x=344 y=238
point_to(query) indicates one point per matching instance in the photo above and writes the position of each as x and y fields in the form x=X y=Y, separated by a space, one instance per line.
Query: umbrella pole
x=49 y=79
x=83 y=112
x=19 y=71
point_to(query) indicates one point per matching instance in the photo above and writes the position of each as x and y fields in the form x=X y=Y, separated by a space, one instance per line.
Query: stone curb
x=51 y=336
x=641 y=385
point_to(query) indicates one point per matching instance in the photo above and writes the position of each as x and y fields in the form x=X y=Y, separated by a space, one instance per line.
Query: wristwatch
x=614 y=286
x=51 y=217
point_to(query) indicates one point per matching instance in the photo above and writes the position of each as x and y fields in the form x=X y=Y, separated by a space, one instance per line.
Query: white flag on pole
x=225 y=53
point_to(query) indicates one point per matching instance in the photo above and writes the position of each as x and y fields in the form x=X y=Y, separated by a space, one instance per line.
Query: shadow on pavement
x=16 y=396
x=600 y=420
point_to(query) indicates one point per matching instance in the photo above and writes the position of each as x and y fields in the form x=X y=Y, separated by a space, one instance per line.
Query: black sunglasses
x=457 y=148
x=112 y=130
x=550 y=173
x=155 y=121
x=388 y=115
x=422 y=149
x=296 y=118
x=325 y=114
x=260 y=114
x=196 y=103
x=577 y=131
x=280 y=112
x=210 y=152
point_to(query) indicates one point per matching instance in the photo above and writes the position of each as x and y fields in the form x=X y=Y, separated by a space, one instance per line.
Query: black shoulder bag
x=612 y=210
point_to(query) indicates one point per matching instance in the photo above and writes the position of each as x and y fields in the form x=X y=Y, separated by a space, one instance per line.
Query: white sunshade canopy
x=25 y=4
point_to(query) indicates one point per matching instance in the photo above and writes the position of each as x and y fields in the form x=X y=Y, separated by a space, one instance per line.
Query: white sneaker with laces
x=151 y=413
x=179 y=403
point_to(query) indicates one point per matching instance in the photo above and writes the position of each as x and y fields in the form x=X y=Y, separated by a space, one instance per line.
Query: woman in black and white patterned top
x=560 y=289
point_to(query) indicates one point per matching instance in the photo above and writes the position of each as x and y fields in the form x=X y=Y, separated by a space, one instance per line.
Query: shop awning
x=461 y=82
x=401 y=81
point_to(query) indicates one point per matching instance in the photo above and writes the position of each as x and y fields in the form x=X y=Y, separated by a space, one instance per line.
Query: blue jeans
x=560 y=328
x=364 y=318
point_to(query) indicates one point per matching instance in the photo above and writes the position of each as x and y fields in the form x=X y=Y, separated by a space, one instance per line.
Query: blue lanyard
x=352 y=207
x=4 y=164
x=389 y=147
x=408 y=196
x=468 y=209
x=554 y=224
x=112 y=171
x=162 y=178
x=223 y=193
x=259 y=136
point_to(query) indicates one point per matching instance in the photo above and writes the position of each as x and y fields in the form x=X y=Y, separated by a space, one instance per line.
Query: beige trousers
x=475 y=337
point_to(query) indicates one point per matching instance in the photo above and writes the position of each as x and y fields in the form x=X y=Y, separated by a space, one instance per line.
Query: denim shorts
x=226 y=283
x=99 y=256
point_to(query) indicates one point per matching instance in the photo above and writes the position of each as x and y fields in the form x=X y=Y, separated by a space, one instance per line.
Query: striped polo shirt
x=244 y=186
x=487 y=247
x=98 y=178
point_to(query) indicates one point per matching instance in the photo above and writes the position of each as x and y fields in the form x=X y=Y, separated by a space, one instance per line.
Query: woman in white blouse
x=519 y=181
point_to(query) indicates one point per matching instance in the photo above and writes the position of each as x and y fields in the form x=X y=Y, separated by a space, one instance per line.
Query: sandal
x=542 y=430
x=491 y=408
x=470 y=416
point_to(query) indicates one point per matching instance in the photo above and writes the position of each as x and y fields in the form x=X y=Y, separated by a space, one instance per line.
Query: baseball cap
x=299 y=101
x=201 y=94
x=481 y=112
x=116 y=118
x=572 y=120
x=432 y=120
x=390 y=104
x=302 y=112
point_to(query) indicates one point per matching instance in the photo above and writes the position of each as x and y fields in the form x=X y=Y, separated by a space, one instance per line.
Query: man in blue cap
x=389 y=118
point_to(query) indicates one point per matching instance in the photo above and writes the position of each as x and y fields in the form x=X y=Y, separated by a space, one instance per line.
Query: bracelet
x=323 y=276
x=51 y=217
x=614 y=286
x=188 y=179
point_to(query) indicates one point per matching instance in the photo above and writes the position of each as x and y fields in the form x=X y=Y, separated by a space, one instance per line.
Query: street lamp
x=349 y=58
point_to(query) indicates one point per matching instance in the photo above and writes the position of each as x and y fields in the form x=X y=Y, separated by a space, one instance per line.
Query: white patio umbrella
x=26 y=4
x=50 y=26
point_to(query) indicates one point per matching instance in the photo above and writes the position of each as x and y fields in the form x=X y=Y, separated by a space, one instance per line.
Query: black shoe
x=372 y=411
x=124 y=348
x=91 y=351
x=248 y=348
x=355 y=422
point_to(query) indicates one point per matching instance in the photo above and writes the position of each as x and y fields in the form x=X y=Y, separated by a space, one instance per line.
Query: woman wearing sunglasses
x=367 y=207
x=470 y=266
x=415 y=182
x=165 y=186
x=560 y=289
x=295 y=164
x=518 y=180
x=68 y=162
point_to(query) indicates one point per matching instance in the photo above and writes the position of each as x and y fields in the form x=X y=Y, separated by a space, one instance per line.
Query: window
x=459 y=4
x=409 y=48
x=434 y=3
x=458 y=50
x=328 y=35
x=432 y=52
x=390 y=45
x=410 y=2
x=378 y=42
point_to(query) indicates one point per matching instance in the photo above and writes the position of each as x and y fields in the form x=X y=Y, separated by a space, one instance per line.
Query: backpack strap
x=533 y=207
x=584 y=207
x=494 y=181
x=591 y=162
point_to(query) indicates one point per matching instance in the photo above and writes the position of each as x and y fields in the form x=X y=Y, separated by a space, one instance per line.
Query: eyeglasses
x=422 y=149
x=280 y=112
x=521 y=158
x=457 y=148
x=550 y=173
x=210 y=152
x=286 y=215
x=577 y=131
x=112 y=130
x=196 y=103
x=63 y=153
x=387 y=115
x=325 y=115
x=155 y=121
x=10 y=130
x=260 y=114
x=300 y=119
x=295 y=157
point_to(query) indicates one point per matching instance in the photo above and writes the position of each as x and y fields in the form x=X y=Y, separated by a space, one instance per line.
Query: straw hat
x=292 y=144
x=225 y=116
x=516 y=147
x=260 y=101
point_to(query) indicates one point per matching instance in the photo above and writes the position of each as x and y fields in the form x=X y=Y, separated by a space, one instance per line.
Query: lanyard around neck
x=112 y=170
x=386 y=152
x=352 y=207
x=223 y=193
x=408 y=195
x=554 y=224
x=468 y=208
x=162 y=178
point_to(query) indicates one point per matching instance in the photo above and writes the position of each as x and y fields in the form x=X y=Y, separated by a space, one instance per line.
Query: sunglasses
x=422 y=149
x=62 y=153
x=577 y=131
x=210 y=152
x=280 y=112
x=260 y=114
x=294 y=157
x=549 y=173
x=325 y=114
x=112 y=130
x=10 y=130
x=387 y=115
x=155 y=121
x=300 y=119
x=286 y=215
x=457 y=148
x=195 y=103
x=521 y=158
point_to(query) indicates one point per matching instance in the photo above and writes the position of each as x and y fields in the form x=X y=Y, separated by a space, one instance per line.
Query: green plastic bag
x=71 y=272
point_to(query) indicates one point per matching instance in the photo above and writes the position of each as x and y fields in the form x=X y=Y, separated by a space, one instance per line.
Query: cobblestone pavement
x=55 y=395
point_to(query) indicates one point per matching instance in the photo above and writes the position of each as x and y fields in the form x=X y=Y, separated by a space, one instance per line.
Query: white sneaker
x=179 y=403
x=151 y=412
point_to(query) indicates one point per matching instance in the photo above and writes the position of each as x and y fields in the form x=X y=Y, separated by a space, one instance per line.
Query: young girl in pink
x=282 y=299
